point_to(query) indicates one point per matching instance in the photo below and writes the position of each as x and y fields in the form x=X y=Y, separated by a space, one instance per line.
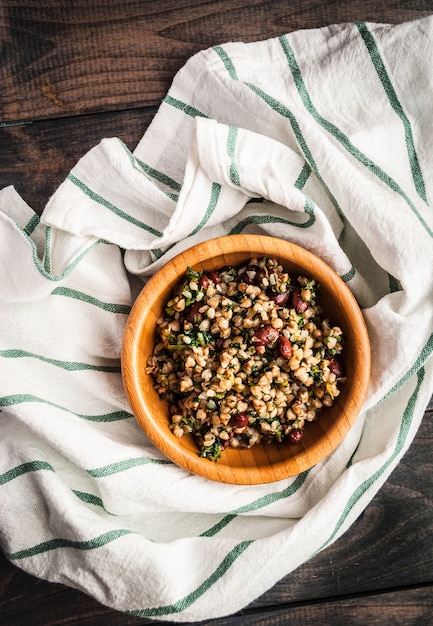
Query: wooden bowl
x=263 y=462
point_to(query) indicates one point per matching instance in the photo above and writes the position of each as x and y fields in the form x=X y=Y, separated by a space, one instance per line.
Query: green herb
x=198 y=338
x=255 y=371
x=169 y=309
x=162 y=379
x=311 y=284
x=213 y=452
x=317 y=374
x=228 y=274
x=301 y=320
x=192 y=275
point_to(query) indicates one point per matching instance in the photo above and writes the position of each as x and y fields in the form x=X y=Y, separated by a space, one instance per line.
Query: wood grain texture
x=36 y=157
x=62 y=59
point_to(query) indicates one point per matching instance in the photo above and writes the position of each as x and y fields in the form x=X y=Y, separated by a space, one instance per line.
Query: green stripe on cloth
x=304 y=175
x=37 y=466
x=157 y=252
x=110 y=307
x=228 y=63
x=406 y=422
x=133 y=161
x=425 y=354
x=55 y=544
x=270 y=219
x=159 y=176
x=182 y=106
x=348 y=275
x=69 y=268
x=215 y=194
x=395 y=103
x=32 y=224
x=25 y=468
x=110 y=206
x=70 y=366
x=23 y=398
x=47 y=257
x=355 y=152
x=140 y=167
x=90 y=498
x=231 y=150
x=192 y=597
x=123 y=466
x=258 y=504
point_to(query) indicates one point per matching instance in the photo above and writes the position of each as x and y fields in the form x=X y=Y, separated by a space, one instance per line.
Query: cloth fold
x=321 y=137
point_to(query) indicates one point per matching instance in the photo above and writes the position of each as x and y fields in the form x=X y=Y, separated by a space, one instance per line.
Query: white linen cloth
x=332 y=128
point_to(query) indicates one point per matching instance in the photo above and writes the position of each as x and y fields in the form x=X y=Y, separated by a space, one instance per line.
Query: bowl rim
x=169 y=445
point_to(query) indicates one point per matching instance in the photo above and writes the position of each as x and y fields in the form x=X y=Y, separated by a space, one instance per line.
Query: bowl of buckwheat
x=246 y=359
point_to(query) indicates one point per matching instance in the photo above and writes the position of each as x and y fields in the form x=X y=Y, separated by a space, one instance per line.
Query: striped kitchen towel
x=322 y=137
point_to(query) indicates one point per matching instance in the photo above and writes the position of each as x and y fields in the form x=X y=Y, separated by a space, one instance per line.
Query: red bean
x=253 y=275
x=226 y=442
x=240 y=420
x=300 y=305
x=214 y=276
x=264 y=335
x=203 y=281
x=284 y=347
x=281 y=299
x=336 y=367
x=219 y=344
x=295 y=435
x=193 y=314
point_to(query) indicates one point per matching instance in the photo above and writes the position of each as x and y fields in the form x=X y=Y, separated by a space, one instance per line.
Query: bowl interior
x=263 y=462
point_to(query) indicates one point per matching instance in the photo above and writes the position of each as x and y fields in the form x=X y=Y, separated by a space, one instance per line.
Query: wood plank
x=65 y=59
x=398 y=608
x=387 y=554
x=35 y=158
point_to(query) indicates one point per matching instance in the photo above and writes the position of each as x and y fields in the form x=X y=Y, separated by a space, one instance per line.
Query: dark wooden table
x=73 y=72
